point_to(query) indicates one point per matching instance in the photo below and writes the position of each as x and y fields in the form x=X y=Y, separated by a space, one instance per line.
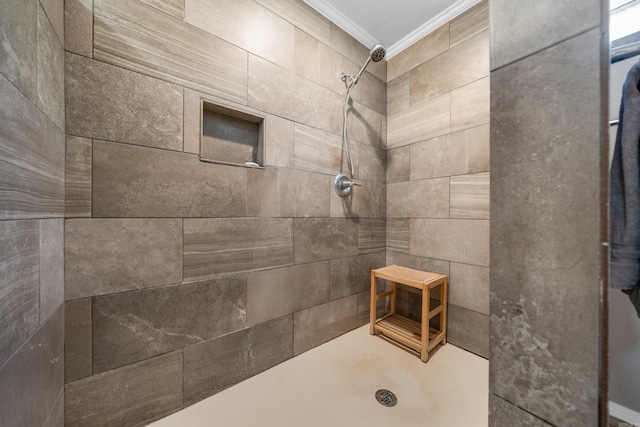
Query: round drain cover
x=386 y=398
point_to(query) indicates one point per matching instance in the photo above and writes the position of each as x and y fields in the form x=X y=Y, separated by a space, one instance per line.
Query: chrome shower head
x=378 y=52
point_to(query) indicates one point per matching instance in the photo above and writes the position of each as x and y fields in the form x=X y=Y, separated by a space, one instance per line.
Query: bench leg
x=372 y=309
x=424 y=354
x=443 y=315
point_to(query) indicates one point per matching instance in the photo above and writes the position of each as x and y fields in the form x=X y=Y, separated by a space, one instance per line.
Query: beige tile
x=50 y=71
x=398 y=94
x=458 y=240
x=320 y=324
x=54 y=10
x=104 y=256
x=458 y=66
x=276 y=192
x=458 y=153
x=134 y=181
x=77 y=182
x=280 y=136
x=174 y=8
x=320 y=151
x=371 y=92
x=398 y=235
x=18 y=50
x=302 y=16
x=219 y=246
x=371 y=162
x=51 y=266
x=427 y=198
x=281 y=291
x=470 y=196
x=469 y=287
x=349 y=47
x=365 y=125
x=245 y=24
x=421 y=121
x=141 y=38
x=114 y=104
x=78 y=27
x=469 y=23
x=280 y=92
x=191 y=124
x=367 y=201
x=470 y=105
x=398 y=164
x=419 y=52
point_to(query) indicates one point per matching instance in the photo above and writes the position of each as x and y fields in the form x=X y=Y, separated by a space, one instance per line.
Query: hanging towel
x=625 y=193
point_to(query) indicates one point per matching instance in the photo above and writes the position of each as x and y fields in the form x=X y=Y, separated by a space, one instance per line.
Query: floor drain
x=386 y=398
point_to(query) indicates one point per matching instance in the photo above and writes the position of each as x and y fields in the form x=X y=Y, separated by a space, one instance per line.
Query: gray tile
x=545 y=269
x=19 y=284
x=18 y=50
x=421 y=121
x=77 y=177
x=174 y=8
x=55 y=13
x=51 y=266
x=192 y=127
x=302 y=16
x=468 y=24
x=470 y=105
x=517 y=32
x=31 y=382
x=32 y=149
x=278 y=292
x=320 y=151
x=470 y=196
x=349 y=47
x=214 y=247
x=133 y=395
x=132 y=326
x=371 y=235
x=322 y=323
x=457 y=153
x=237 y=23
x=276 y=192
x=418 y=263
x=55 y=418
x=458 y=66
x=427 y=198
x=469 y=287
x=398 y=94
x=104 y=256
x=324 y=238
x=398 y=235
x=78 y=27
x=115 y=104
x=372 y=162
x=505 y=414
x=398 y=164
x=460 y=240
x=77 y=340
x=132 y=35
x=279 y=150
x=131 y=181
x=366 y=201
x=364 y=305
x=352 y=275
x=419 y=52
x=217 y=364
x=50 y=69
x=468 y=329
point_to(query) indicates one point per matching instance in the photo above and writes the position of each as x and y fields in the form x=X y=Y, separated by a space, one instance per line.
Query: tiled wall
x=31 y=212
x=438 y=169
x=549 y=160
x=183 y=277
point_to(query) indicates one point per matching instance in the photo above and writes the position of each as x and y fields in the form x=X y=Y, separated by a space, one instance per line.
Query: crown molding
x=338 y=18
x=624 y=414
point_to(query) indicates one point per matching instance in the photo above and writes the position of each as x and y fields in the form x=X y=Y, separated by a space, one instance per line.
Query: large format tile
x=131 y=181
x=217 y=364
x=473 y=21
x=517 y=32
x=104 y=256
x=115 y=104
x=372 y=162
x=276 y=192
x=399 y=94
x=470 y=105
x=132 y=35
x=419 y=52
x=459 y=240
x=366 y=201
x=469 y=287
x=458 y=66
x=213 y=246
x=322 y=323
x=371 y=235
x=279 y=150
x=78 y=27
x=51 y=266
x=470 y=196
x=320 y=151
x=427 y=198
x=302 y=16
x=77 y=177
x=398 y=164
x=32 y=150
x=174 y=8
x=77 y=340
x=50 y=70
x=55 y=13
x=365 y=125
x=349 y=47
x=545 y=231
x=505 y=414
x=19 y=284
x=397 y=235
x=281 y=291
x=133 y=395
x=421 y=121
x=18 y=49
x=133 y=326
x=32 y=381
x=324 y=238
x=352 y=275
x=468 y=329
x=457 y=153
x=245 y=24
x=418 y=263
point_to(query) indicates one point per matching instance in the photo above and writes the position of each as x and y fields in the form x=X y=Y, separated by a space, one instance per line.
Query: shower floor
x=335 y=384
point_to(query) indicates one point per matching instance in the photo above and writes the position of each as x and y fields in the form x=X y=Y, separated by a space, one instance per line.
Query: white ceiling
x=397 y=24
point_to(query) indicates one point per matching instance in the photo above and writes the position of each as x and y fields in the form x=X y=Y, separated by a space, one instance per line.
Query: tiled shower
x=140 y=280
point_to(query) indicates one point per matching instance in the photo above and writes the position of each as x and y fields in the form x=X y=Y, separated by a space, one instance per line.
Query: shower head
x=377 y=53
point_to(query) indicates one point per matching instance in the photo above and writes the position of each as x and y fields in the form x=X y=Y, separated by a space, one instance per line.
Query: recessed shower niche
x=231 y=134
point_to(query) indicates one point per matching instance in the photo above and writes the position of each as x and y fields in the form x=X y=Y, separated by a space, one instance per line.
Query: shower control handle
x=343 y=185
x=352 y=183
